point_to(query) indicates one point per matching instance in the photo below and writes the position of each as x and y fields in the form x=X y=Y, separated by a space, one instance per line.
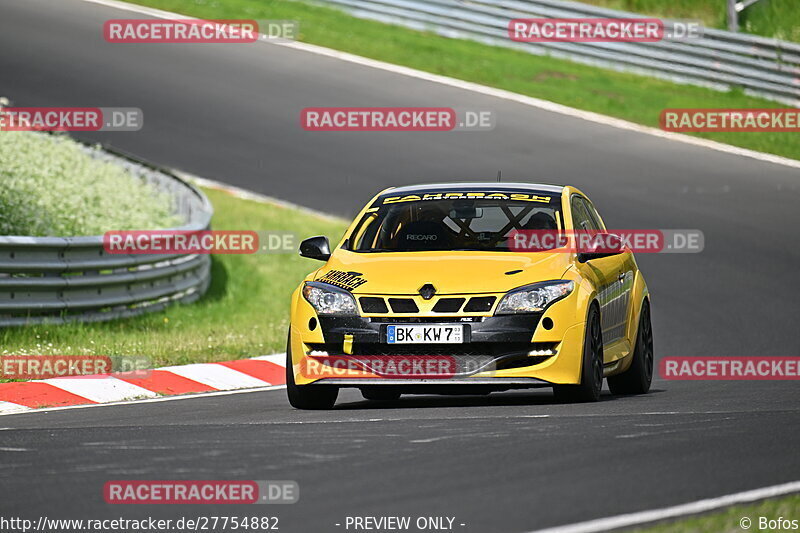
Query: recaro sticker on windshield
x=524 y=197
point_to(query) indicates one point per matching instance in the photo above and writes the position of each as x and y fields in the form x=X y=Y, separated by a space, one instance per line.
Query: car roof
x=477 y=186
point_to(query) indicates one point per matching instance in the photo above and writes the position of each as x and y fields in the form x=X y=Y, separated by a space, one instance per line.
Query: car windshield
x=484 y=224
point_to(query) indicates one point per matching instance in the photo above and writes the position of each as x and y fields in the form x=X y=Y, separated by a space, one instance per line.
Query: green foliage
x=779 y=19
x=49 y=186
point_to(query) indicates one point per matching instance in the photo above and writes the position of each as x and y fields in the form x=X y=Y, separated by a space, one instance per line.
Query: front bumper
x=503 y=352
x=498 y=330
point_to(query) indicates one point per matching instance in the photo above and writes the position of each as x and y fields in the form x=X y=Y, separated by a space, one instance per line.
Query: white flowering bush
x=50 y=187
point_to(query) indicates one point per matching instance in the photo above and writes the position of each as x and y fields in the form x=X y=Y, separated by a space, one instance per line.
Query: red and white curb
x=263 y=371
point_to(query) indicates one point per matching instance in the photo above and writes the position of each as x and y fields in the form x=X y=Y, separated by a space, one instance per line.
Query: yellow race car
x=427 y=294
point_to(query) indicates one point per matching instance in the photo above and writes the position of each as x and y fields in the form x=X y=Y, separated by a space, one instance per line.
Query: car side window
x=580 y=217
x=593 y=216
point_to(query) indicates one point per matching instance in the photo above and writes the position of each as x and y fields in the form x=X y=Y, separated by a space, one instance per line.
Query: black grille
x=403 y=305
x=448 y=305
x=373 y=305
x=479 y=304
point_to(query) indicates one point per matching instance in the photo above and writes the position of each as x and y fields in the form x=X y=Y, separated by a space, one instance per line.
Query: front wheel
x=588 y=390
x=314 y=397
x=637 y=379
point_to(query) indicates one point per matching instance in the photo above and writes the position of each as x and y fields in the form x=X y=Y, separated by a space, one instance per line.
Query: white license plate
x=425 y=334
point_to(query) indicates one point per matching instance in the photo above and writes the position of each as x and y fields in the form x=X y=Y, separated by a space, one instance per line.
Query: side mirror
x=599 y=245
x=316 y=248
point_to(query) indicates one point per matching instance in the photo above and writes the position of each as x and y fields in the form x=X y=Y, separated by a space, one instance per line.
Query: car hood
x=449 y=272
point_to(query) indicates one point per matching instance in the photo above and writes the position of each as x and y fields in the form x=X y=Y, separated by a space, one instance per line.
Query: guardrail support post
x=733 y=16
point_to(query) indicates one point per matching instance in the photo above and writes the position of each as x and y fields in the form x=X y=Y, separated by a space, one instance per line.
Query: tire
x=588 y=390
x=637 y=379
x=308 y=397
x=380 y=394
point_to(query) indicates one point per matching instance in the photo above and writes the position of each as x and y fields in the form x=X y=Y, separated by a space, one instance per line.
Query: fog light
x=317 y=352
x=541 y=352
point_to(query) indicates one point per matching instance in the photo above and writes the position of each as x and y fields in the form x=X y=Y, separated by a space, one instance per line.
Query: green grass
x=771 y=18
x=728 y=520
x=711 y=12
x=636 y=98
x=245 y=312
x=51 y=187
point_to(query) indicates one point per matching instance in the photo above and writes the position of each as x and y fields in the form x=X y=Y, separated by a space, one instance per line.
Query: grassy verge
x=636 y=98
x=245 y=313
x=771 y=18
x=730 y=520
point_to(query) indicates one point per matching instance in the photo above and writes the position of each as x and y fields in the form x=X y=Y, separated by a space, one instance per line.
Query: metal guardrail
x=763 y=67
x=57 y=280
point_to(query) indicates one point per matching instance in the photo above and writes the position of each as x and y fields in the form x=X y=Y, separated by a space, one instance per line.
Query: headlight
x=329 y=300
x=533 y=298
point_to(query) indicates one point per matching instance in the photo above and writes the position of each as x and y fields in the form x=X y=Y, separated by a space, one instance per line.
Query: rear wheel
x=307 y=396
x=637 y=379
x=380 y=394
x=588 y=390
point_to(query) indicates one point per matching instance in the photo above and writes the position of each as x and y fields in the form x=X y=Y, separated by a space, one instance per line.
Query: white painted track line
x=8 y=408
x=700 y=506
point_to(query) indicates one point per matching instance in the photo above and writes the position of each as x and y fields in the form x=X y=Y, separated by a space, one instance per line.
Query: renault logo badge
x=427 y=291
